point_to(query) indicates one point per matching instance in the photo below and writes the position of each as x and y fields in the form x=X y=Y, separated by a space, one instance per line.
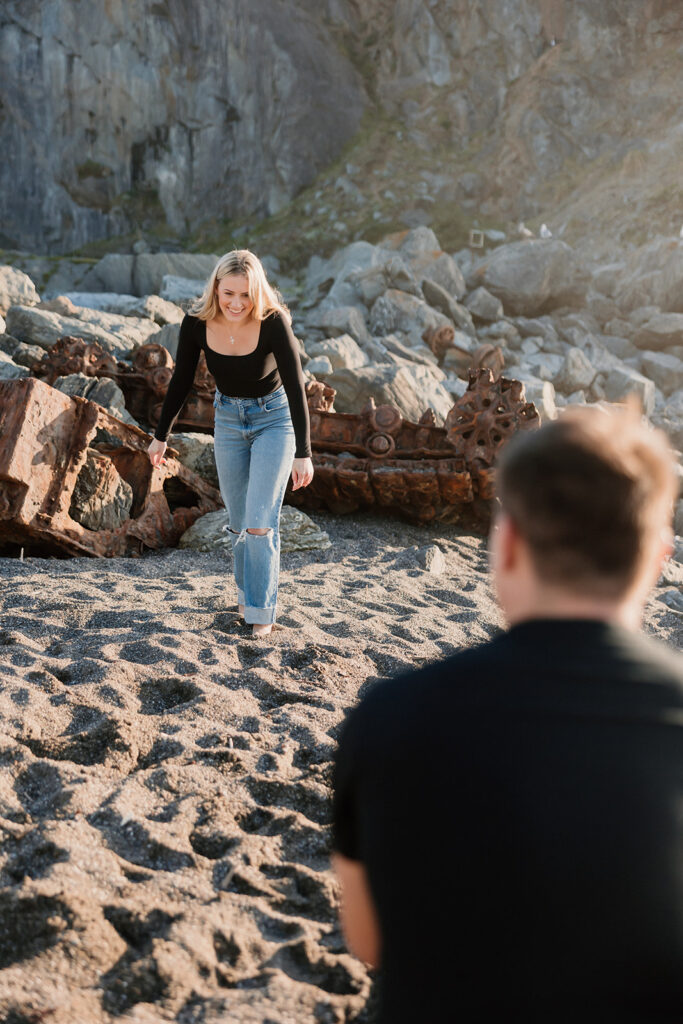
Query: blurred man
x=508 y=823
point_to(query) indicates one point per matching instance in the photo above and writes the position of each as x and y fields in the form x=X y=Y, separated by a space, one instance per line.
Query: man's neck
x=548 y=604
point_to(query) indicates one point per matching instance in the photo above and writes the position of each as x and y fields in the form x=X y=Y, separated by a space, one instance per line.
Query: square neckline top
x=234 y=355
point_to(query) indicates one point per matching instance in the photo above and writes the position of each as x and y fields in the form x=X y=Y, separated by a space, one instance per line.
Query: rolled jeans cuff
x=259 y=616
x=240 y=597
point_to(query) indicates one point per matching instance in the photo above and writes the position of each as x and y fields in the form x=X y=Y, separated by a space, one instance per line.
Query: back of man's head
x=591 y=495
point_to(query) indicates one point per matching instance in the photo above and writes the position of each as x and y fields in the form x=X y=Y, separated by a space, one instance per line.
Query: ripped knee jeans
x=254 y=448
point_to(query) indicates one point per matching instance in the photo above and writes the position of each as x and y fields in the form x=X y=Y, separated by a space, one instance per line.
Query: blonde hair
x=267 y=300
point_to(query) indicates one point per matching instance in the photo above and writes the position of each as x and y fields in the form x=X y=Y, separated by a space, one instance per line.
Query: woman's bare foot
x=262 y=629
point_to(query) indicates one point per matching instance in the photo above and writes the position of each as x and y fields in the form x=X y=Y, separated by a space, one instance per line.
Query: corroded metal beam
x=50 y=441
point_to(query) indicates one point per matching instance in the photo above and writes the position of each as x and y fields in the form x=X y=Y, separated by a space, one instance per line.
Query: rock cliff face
x=202 y=110
x=131 y=110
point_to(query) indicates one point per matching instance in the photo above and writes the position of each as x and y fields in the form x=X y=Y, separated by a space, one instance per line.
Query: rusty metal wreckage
x=52 y=444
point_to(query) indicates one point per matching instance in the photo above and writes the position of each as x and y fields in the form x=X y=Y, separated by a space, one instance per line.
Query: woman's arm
x=286 y=352
x=182 y=380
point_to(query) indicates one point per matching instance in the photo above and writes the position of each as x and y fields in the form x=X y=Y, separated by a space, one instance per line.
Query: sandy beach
x=166 y=785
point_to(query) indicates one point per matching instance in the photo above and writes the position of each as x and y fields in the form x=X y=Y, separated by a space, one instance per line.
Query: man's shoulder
x=473 y=670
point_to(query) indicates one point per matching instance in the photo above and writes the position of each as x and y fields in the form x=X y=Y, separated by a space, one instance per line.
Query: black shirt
x=274 y=361
x=519 y=810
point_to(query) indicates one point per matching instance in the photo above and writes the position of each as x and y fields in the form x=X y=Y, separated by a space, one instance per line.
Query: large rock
x=411 y=388
x=117 y=334
x=343 y=320
x=16 y=289
x=150 y=307
x=9 y=370
x=420 y=250
x=540 y=392
x=182 y=291
x=439 y=298
x=102 y=390
x=531 y=278
x=664 y=369
x=342 y=352
x=577 y=373
x=336 y=282
x=626 y=381
x=652 y=276
x=298 y=532
x=168 y=336
x=375 y=280
x=143 y=274
x=19 y=351
x=101 y=498
x=196 y=451
x=664 y=330
x=398 y=311
x=484 y=306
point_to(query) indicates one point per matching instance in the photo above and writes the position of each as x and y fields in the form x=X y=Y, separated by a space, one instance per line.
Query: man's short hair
x=589 y=493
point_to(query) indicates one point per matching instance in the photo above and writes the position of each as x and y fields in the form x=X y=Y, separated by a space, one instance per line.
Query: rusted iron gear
x=488 y=413
x=45 y=438
x=439 y=339
x=74 y=355
x=148 y=357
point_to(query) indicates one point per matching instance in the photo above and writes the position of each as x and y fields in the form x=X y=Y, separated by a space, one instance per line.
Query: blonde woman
x=261 y=417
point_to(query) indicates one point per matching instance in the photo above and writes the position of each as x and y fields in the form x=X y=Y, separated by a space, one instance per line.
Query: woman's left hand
x=302 y=473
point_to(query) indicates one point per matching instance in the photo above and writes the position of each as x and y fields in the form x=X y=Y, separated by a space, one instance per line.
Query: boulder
x=419 y=353
x=181 y=290
x=102 y=390
x=622 y=348
x=420 y=250
x=532 y=277
x=101 y=498
x=150 y=307
x=536 y=327
x=108 y=302
x=117 y=334
x=16 y=289
x=168 y=337
x=298 y=532
x=576 y=373
x=375 y=280
x=398 y=311
x=343 y=320
x=544 y=365
x=624 y=381
x=9 y=370
x=663 y=330
x=196 y=451
x=438 y=298
x=411 y=388
x=320 y=366
x=652 y=276
x=484 y=306
x=144 y=273
x=664 y=369
x=540 y=392
x=673 y=410
x=342 y=352
x=20 y=353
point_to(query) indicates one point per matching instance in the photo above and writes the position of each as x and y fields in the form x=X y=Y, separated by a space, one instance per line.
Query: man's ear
x=507 y=541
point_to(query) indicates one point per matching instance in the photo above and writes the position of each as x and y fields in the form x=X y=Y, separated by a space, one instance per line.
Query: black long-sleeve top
x=275 y=361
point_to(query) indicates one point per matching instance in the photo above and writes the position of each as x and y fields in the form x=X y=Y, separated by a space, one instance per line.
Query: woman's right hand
x=156 y=452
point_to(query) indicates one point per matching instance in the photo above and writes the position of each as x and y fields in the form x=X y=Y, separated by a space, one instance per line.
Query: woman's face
x=232 y=292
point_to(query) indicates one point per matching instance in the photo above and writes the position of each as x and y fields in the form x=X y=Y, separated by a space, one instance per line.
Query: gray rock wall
x=120 y=110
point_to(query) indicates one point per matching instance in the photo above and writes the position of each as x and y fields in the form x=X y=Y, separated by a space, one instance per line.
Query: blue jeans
x=254 y=448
